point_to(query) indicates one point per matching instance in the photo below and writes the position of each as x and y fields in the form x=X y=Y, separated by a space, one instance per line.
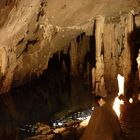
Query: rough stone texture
x=32 y=31
x=103 y=124
x=116 y=51
x=99 y=73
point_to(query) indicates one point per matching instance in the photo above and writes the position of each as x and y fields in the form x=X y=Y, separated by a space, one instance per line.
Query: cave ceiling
x=31 y=31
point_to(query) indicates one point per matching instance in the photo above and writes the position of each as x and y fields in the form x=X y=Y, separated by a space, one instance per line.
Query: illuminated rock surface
x=32 y=31
x=55 y=45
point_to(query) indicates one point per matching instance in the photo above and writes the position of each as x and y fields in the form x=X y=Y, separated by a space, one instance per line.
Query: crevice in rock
x=31 y=42
x=41 y=12
x=20 y=41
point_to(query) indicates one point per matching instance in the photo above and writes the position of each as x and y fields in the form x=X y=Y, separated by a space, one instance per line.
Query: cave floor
x=130 y=121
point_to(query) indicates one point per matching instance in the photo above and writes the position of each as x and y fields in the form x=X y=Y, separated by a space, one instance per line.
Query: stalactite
x=80 y=55
x=99 y=35
x=73 y=55
x=129 y=27
x=4 y=59
x=93 y=79
x=8 y=65
x=100 y=89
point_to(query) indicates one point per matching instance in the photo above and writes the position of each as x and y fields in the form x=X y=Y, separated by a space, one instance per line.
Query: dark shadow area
x=55 y=93
x=133 y=87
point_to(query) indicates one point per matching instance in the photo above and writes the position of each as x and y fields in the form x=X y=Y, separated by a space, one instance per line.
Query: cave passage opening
x=65 y=87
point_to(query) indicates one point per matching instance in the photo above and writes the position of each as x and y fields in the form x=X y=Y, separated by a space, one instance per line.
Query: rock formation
x=32 y=31
x=92 y=41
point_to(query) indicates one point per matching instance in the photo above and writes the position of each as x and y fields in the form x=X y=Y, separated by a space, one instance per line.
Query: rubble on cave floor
x=66 y=127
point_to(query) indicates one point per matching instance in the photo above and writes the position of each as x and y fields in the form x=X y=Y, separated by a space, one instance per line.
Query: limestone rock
x=31 y=31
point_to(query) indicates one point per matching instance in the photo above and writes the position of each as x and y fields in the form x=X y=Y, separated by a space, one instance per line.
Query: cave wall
x=116 y=53
x=30 y=35
x=29 y=42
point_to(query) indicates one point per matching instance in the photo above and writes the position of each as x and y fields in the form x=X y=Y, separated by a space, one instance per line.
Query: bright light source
x=116 y=106
x=120 y=84
x=131 y=100
x=117 y=101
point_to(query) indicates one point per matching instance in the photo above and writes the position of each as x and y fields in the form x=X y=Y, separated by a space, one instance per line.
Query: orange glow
x=118 y=102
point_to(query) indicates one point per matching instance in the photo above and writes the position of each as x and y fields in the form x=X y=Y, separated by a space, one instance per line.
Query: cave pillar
x=99 y=71
x=111 y=39
x=126 y=57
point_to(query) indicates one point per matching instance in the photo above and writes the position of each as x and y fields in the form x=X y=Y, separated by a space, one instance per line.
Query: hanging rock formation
x=31 y=31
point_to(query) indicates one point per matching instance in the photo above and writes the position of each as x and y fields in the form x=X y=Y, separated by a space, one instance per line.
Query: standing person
x=104 y=123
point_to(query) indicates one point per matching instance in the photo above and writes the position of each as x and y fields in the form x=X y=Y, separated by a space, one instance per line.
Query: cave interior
x=51 y=71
